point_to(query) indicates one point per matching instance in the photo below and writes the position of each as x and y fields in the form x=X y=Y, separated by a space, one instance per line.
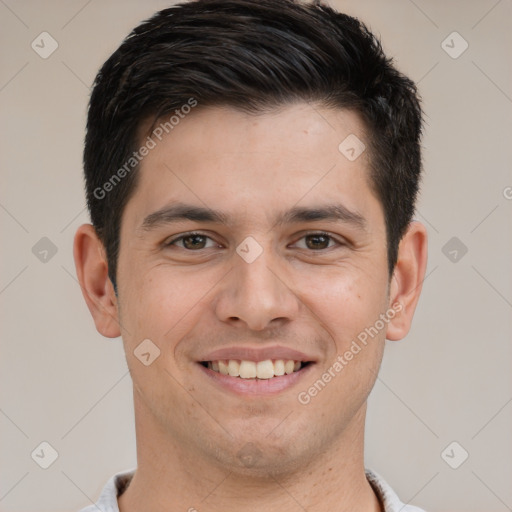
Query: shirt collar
x=118 y=483
x=387 y=496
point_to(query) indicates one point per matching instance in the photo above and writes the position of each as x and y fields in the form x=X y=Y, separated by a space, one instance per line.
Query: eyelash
x=195 y=233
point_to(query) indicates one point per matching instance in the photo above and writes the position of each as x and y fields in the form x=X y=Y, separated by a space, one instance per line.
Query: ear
x=92 y=271
x=407 y=279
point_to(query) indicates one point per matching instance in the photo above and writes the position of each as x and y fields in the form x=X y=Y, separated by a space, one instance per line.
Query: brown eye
x=192 y=242
x=318 y=241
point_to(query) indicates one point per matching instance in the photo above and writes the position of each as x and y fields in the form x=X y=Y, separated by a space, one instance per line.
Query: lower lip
x=256 y=387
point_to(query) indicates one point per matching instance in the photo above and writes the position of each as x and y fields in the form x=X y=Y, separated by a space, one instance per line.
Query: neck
x=171 y=476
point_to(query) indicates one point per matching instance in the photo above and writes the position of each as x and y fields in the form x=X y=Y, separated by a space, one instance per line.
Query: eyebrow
x=181 y=211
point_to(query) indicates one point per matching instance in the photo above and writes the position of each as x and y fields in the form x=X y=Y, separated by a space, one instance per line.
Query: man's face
x=299 y=288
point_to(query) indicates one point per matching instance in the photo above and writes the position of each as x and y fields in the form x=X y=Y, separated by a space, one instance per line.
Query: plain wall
x=449 y=380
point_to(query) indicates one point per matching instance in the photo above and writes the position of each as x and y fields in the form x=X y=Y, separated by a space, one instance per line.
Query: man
x=251 y=171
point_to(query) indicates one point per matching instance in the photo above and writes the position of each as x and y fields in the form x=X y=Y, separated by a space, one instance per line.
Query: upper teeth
x=251 y=369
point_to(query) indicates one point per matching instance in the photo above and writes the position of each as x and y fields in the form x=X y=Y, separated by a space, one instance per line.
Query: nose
x=256 y=294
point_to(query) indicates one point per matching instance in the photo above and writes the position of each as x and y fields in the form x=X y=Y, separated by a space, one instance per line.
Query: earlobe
x=407 y=280
x=92 y=271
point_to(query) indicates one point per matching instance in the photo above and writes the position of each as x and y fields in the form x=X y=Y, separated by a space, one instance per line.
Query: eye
x=191 y=241
x=198 y=241
x=318 y=241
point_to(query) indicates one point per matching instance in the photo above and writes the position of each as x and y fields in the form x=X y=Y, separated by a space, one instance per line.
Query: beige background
x=450 y=380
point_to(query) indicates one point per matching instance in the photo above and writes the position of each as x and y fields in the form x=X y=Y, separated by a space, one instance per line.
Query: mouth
x=261 y=370
x=247 y=378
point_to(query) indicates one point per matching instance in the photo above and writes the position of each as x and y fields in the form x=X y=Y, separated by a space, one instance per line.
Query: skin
x=191 y=434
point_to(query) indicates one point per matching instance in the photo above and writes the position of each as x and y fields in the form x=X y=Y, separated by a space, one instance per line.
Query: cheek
x=345 y=303
x=163 y=308
x=163 y=304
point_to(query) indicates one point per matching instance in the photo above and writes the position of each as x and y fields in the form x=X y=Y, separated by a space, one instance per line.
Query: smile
x=245 y=369
x=248 y=378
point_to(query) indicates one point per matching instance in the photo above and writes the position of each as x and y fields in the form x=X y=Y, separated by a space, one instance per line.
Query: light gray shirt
x=118 y=483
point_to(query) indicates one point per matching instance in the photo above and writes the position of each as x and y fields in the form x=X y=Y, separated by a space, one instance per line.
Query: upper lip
x=257 y=354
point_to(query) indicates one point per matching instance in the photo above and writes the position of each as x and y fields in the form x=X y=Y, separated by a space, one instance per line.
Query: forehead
x=254 y=165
